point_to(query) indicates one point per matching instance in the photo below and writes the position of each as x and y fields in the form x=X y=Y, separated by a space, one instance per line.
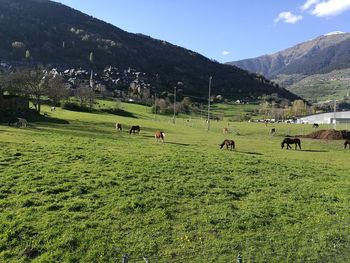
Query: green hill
x=56 y=34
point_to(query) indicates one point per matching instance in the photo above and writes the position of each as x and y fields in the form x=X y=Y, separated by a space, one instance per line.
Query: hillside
x=328 y=86
x=56 y=34
x=326 y=54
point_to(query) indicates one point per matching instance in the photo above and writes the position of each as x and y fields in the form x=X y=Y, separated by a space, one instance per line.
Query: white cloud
x=288 y=17
x=308 y=4
x=331 y=8
x=225 y=53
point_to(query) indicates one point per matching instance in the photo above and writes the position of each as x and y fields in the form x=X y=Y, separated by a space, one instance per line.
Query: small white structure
x=326 y=118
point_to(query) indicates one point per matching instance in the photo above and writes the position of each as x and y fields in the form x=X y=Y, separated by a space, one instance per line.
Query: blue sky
x=224 y=30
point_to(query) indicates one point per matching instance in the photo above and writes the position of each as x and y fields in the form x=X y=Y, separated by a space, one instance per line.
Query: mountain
x=56 y=34
x=327 y=54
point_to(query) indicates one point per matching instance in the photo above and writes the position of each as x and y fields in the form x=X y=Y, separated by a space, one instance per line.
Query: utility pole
x=174 y=104
x=178 y=84
x=155 y=106
x=335 y=112
x=208 y=121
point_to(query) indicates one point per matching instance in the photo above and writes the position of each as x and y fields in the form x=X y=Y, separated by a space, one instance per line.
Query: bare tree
x=85 y=96
x=56 y=89
x=31 y=82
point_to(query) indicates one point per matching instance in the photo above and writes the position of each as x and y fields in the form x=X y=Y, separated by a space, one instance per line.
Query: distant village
x=127 y=84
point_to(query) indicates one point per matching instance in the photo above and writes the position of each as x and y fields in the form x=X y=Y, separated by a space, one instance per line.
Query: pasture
x=83 y=192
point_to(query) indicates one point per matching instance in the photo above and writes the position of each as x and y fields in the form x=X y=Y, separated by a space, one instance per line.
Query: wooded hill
x=58 y=35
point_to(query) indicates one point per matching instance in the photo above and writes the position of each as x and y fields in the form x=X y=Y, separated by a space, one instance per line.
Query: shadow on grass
x=120 y=112
x=42 y=118
x=250 y=153
x=315 y=151
x=177 y=143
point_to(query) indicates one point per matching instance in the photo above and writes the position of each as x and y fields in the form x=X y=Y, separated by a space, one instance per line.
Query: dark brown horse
x=228 y=143
x=290 y=141
x=346 y=143
x=273 y=131
x=118 y=127
x=135 y=129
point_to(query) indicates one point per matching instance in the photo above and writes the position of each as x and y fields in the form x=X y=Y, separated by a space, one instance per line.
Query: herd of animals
x=160 y=135
x=230 y=144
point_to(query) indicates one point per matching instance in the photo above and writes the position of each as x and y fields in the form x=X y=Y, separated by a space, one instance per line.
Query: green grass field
x=82 y=192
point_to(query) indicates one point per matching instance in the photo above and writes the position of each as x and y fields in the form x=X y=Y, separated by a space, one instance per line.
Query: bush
x=73 y=106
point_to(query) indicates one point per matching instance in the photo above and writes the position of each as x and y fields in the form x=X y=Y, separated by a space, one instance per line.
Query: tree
x=56 y=89
x=32 y=83
x=299 y=107
x=186 y=104
x=85 y=96
x=91 y=58
x=27 y=56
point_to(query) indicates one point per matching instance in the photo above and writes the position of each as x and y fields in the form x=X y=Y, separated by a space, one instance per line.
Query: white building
x=326 y=118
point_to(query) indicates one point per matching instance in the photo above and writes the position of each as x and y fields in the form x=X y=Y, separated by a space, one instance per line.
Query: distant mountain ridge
x=56 y=34
x=322 y=55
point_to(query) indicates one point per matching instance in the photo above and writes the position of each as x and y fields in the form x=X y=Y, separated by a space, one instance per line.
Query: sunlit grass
x=84 y=192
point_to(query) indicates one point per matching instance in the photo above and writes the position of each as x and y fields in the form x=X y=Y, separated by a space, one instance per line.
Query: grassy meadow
x=83 y=192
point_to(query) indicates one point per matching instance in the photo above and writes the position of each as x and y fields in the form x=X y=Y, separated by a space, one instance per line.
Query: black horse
x=228 y=143
x=290 y=141
x=135 y=129
x=346 y=143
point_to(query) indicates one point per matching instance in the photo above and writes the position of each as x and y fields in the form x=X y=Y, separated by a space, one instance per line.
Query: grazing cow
x=228 y=143
x=289 y=141
x=118 y=127
x=273 y=131
x=159 y=136
x=53 y=108
x=225 y=130
x=346 y=143
x=135 y=129
x=315 y=125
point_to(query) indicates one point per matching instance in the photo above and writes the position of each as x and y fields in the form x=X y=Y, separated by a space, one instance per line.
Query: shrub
x=73 y=106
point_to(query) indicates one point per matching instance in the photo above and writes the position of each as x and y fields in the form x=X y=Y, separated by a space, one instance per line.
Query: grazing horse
x=135 y=129
x=346 y=143
x=118 y=127
x=273 y=131
x=22 y=122
x=18 y=122
x=315 y=125
x=225 y=130
x=290 y=141
x=159 y=136
x=228 y=143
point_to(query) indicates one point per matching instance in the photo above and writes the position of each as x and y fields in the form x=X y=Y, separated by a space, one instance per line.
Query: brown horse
x=290 y=141
x=159 y=136
x=135 y=129
x=228 y=143
x=346 y=143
